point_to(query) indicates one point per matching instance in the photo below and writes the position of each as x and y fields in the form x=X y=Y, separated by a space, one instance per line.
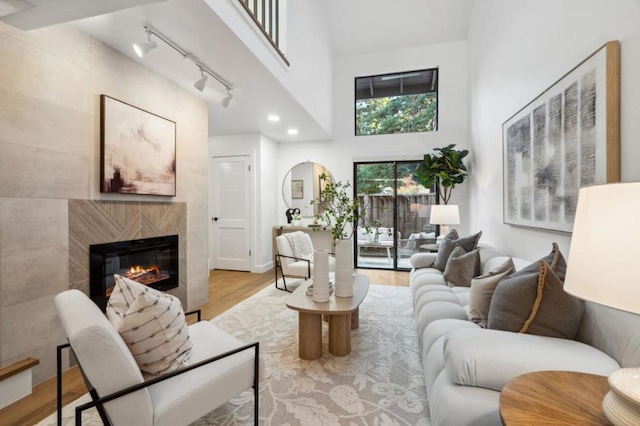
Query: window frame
x=437 y=95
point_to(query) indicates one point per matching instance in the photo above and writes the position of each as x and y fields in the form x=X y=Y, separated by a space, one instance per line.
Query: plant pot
x=344 y=268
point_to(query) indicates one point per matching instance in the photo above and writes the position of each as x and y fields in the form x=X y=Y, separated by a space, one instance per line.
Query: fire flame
x=136 y=271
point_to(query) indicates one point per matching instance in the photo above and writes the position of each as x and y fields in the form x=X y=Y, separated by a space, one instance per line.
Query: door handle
x=215 y=219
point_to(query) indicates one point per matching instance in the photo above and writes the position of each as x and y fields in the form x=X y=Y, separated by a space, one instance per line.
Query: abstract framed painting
x=137 y=150
x=297 y=189
x=566 y=138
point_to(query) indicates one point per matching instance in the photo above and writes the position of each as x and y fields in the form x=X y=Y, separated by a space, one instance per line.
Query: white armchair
x=295 y=261
x=219 y=368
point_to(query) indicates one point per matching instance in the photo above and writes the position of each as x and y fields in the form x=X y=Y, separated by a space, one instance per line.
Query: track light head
x=144 y=47
x=201 y=82
x=225 y=101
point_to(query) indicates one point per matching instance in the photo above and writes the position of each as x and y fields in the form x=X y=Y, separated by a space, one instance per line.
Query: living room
x=51 y=80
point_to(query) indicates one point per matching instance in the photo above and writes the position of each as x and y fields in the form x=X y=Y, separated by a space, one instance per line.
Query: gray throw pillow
x=482 y=289
x=462 y=267
x=444 y=249
x=555 y=260
x=449 y=242
x=535 y=303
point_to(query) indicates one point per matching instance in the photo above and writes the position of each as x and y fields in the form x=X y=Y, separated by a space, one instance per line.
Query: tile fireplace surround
x=98 y=222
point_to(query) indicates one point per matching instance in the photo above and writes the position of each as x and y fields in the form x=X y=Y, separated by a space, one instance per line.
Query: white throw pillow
x=152 y=324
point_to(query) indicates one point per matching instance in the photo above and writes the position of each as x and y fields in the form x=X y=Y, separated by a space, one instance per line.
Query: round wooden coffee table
x=342 y=313
x=554 y=398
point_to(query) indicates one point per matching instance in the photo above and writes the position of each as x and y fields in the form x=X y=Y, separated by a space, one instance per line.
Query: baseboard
x=259 y=269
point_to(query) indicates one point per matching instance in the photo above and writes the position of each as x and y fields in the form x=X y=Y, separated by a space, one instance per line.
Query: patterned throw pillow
x=449 y=242
x=152 y=324
x=461 y=267
x=533 y=301
x=482 y=288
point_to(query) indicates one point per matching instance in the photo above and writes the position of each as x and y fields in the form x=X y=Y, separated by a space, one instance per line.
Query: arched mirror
x=302 y=184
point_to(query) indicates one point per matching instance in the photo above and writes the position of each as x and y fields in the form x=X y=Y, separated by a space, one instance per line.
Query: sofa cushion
x=461 y=267
x=423 y=260
x=535 y=303
x=152 y=324
x=482 y=289
x=449 y=243
x=490 y=358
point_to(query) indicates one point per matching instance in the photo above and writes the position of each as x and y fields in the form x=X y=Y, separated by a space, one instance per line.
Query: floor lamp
x=609 y=216
x=444 y=215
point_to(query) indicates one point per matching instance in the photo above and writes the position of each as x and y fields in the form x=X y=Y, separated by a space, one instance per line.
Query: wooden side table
x=554 y=398
x=430 y=248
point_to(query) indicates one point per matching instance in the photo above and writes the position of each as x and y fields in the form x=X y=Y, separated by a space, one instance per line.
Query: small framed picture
x=297 y=189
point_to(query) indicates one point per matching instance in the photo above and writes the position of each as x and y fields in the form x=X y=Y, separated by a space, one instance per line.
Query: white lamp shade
x=603 y=260
x=444 y=214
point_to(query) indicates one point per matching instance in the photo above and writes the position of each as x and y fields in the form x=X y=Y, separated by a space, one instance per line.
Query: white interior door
x=231 y=187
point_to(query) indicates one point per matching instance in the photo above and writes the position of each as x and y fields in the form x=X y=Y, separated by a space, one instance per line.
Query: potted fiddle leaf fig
x=444 y=169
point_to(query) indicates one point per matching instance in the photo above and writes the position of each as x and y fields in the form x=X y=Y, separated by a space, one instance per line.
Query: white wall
x=516 y=51
x=308 y=50
x=340 y=154
x=269 y=193
x=51 y=80
x=262 y=153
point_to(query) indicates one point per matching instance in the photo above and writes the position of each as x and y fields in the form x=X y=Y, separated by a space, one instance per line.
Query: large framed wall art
x=566 y=138
x=138 y=150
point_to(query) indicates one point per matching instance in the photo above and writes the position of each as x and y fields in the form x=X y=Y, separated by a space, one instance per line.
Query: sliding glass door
x=397 y=209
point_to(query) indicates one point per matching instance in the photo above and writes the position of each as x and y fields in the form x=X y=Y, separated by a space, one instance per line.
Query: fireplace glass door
x=150 y=261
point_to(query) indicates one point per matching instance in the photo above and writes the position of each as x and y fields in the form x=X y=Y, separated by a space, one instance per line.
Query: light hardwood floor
x=226 y=289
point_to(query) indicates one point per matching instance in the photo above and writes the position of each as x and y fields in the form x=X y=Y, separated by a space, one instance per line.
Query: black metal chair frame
x=279 y=266
x=99 y=402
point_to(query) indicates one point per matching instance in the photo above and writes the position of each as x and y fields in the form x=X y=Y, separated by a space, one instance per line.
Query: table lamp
x=608 y=216
x=444 y=215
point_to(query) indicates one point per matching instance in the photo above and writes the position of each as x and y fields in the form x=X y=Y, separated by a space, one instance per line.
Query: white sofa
x=466 y=366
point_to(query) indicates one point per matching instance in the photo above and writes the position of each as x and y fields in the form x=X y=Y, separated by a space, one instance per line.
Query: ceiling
x=365 y=26
x=355 y=27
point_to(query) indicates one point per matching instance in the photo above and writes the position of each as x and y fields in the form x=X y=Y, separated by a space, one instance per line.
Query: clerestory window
x=403 y=102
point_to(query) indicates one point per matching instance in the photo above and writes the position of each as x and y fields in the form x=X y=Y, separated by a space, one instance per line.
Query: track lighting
x=225 y=101
x=145 y=47
x=202 y=81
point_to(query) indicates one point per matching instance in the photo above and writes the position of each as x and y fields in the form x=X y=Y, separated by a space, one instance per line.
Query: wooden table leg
x=340 y=334
x=309 y=335
x=355 y=319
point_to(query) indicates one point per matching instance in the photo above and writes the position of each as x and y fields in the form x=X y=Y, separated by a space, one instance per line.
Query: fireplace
x=149 y=261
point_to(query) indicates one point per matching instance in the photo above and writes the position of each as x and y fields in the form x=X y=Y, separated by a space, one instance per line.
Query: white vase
x=344 y=268
x=321 y=291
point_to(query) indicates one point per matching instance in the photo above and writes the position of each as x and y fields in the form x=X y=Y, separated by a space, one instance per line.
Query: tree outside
x=396 y=114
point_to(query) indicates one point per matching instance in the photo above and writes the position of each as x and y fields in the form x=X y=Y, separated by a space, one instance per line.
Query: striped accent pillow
x=152 y=324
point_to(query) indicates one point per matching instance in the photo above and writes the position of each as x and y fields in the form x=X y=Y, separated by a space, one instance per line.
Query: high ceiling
x=356 y=26
x=365 y=26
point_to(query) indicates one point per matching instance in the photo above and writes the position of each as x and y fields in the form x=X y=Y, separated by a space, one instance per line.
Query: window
x=396 y=211
x=403 y=102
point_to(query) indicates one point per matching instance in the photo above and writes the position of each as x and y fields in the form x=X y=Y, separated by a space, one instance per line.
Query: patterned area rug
x=380 y=383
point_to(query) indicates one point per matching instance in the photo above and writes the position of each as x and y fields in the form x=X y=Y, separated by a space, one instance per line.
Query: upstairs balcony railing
x=267 y=15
